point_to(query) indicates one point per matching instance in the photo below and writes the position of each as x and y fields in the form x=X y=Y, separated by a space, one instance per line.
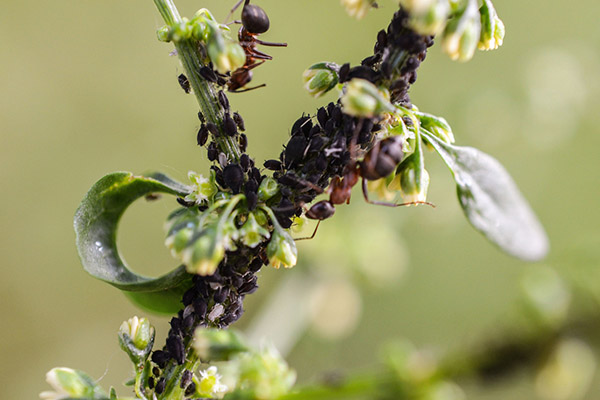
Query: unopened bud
x=438 y=126
x=321 y=78
x=431 y=19
x=282 y=250
x=252 y=233
x=164 y=34
x=136 y=338
x=71 y=384
x=363 y=99
x=462 y=33
x=417 y=6
x=358 y=8
x=267 y=189
x=203 y=256
x=413 y=179
x=225 y=55
x=492 y=27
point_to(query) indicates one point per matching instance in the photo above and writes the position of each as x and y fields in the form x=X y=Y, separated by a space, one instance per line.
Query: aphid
x=186 y=378
x=254 y=22
x=273 y=165
x=184 y=203
x=239 y=121
x=176 y=349
x=184 y=83
x=233 y=177
x=191 y=389
x=202 y=136
x=243 y=140
x=152 y=196
x=160 y=386
x=201 y=117
x=223 y=100
x=229 y=125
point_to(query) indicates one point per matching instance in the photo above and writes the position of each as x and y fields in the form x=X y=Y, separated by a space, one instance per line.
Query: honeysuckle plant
x=237 y=217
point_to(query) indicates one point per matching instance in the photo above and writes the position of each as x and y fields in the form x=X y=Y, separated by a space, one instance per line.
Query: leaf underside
x=492 y=201
x=96 y=222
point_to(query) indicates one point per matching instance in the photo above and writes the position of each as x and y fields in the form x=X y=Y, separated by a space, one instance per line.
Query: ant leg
x=272 y=44
x=254 y=65
x=239 y=3
x=383 y=203
x=247 y=89
x=313 y=234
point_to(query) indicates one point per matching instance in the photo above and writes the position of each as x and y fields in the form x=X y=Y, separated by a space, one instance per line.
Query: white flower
x=210 y=383
x=203 y=188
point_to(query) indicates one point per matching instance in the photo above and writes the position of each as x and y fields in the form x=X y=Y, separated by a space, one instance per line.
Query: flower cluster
x=225 y=54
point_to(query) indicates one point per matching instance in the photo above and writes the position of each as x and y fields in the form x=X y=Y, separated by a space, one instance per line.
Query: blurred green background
x=87 y=90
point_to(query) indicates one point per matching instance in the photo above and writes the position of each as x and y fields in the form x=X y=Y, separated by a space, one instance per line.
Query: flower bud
x=71 y=384
x=358 y=8
x=413 y=180
x=209 y=384
x=217 y=345
x=182 y=31
x=431 y=19
x=136 y=338
x=178 y=240
x=226 y=56
x=417 y=6
x=320 y=78
x=203 y=256
x=492 y=27
x=282 y=250
x=462 y=33
x=267 y=189
x=438 y=126
x=252 y=233
x=363 y=99
x=164 y=34
x=264 y=374
x=203 y=189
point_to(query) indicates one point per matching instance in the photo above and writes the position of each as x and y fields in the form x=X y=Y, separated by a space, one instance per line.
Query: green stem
x=188 y=51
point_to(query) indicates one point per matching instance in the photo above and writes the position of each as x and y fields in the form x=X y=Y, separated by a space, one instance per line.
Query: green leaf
x=96 y=223
x=492 y=202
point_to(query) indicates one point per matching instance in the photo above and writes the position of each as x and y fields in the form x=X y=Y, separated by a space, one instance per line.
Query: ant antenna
x=239 y=3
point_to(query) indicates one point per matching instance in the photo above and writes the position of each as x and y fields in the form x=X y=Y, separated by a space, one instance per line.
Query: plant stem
x=188 y=51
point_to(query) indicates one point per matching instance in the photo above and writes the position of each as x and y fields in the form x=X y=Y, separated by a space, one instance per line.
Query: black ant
x=254 y=22
x=380 y=161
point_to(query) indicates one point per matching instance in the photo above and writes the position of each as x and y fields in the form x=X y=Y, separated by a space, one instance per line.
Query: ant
x=254 y=22
x=380 y=161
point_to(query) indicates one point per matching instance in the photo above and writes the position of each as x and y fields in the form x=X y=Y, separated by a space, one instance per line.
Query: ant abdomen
x=255 y=19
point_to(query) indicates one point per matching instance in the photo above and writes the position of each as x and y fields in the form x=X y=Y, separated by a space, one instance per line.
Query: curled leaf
x=492 y=201
x=96 y=222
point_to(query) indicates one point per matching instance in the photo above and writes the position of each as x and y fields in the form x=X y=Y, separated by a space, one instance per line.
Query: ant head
x=254 y=19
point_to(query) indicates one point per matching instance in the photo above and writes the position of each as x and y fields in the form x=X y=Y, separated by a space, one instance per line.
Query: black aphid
x=184 y=83
x=233 y=177
x=229 y=125
x=239 y=121
x=202 y=136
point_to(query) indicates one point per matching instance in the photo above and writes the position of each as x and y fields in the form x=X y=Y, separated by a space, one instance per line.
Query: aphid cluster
x=322 y=153
x=215 y=300
x=324 y=156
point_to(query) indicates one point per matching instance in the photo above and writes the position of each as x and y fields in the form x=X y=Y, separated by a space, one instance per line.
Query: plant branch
x=188 y=51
